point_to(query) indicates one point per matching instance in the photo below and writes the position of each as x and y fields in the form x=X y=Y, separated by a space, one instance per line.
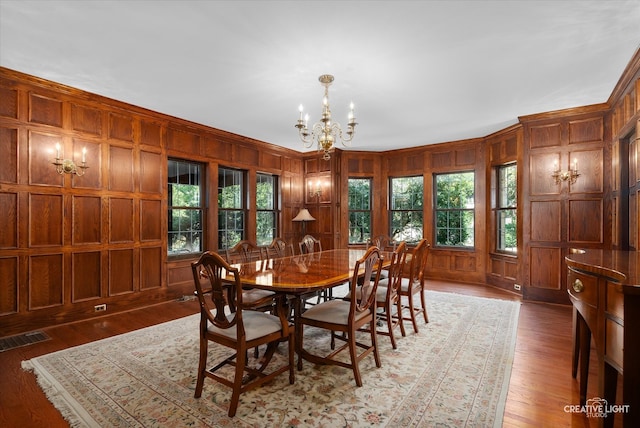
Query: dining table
x=298 y=275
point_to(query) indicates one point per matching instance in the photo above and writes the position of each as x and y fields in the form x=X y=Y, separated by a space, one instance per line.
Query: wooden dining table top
x=305 y=272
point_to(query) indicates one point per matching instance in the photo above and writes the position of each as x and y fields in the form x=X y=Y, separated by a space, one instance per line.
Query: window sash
x=185 y=212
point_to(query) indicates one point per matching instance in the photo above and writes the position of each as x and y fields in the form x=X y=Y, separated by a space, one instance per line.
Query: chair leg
x=237 y=382
x=388 y=316
x=424 y=306
x=412 y=312
x=399 y=315
x=202 y=366
x=374 y=343
x=292 y=353
x=354 y=355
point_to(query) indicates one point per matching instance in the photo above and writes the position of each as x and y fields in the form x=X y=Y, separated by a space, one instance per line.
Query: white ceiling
x=419 y=72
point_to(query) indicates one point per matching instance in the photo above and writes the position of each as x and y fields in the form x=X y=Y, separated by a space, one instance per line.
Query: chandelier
x=325 y=132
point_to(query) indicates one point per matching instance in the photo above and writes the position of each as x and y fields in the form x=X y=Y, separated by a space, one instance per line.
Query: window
x=266 y=208
x=454 y=213
x=185 y=207
x=359 y=210
x=406 y=216
x=506 y=208
x=231 y=207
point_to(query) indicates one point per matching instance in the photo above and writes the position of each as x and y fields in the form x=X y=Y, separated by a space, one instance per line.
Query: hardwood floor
x=540 y=386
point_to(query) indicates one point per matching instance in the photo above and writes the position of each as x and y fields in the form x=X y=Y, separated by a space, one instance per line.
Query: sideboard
x=604 y=288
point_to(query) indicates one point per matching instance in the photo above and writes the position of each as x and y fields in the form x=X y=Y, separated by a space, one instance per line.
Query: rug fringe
x=58 y=398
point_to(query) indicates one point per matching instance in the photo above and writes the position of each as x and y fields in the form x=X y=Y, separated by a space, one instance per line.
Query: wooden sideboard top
x=619 y=266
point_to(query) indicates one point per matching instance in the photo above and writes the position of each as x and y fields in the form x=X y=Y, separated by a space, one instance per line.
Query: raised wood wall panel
x=42 y=151
x=547 y=272
x=465 y=157
x=546 y=221
x=92 y=178
x=150 y=133
x=150 y=268
x=634 y=221
x=45 y=281
x=246 y=155
x=9 y=229
x=86 y=276
x=547 y=135
x=45 y=220
x=591 y=166
x=86 y=119
x=540 y=169
x=8 y=102
x=183 y=141
x=120 y=127
x=152 y=175
x=586 y=221
x=615 y=166
x=216 y=149
x=87 y=219
x=586 y=130
x=179 y=274
x=121 y=272
x=45 y=110
x=511 y=269
x=150 y=220
x=9 y=290
x=121 y=220
x=271 y=161
x=442 y=160
x=9 y=155
x=120 y=169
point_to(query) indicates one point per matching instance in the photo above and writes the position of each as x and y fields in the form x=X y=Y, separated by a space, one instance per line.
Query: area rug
x=453 y=373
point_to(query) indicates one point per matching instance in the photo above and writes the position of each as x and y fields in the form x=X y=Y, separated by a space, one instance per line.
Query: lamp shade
x=303 y=215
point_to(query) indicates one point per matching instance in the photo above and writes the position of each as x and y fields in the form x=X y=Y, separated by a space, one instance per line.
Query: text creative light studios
x=597 y=408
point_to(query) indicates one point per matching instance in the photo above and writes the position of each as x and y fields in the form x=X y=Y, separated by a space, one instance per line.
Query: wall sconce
x=571 y=175
x=68 y=166
x=315 y=192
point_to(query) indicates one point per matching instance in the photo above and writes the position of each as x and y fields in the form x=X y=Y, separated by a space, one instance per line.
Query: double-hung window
x=231 y=207
x=454 y=217
x=359 y=210
x=185 y=207
x=266 y=208
x=406 y=217
x=506 y=208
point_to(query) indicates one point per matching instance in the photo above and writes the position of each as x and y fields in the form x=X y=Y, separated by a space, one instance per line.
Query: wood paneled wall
x=565 y=215
x=68 y=243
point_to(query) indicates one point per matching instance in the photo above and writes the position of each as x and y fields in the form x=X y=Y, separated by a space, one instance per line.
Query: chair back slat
x=367 y=282
x=398 y=261
x=212 y=269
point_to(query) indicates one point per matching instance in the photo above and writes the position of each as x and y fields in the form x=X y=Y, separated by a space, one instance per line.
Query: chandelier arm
x=337 y=132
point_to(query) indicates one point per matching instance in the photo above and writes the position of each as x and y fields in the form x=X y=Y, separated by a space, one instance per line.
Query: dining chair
x=388 y=296
x=238 y=330
x=279 y=248
x=247 y=251
x=384 y=242
x=346 y=317
x=309 y=244
x=412 y=283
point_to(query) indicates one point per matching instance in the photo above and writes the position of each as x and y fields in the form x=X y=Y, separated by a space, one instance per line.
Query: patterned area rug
x=453 y=373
